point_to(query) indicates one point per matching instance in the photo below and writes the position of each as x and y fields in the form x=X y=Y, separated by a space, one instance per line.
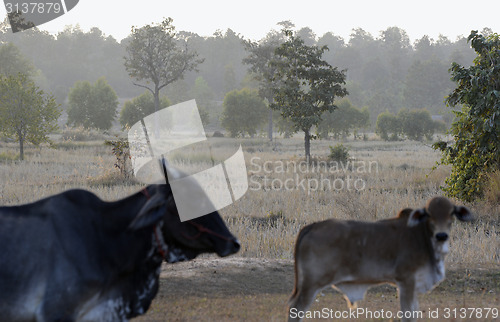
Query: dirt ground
x=251 y=289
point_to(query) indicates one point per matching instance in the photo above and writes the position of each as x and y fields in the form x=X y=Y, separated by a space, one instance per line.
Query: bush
x=339 y=153
x=121 y=151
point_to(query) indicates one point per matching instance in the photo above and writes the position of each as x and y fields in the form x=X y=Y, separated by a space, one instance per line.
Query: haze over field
x=254 y=19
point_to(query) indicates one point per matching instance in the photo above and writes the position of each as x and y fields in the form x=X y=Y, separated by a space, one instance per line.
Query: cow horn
x=164 y=167
x=152 y=212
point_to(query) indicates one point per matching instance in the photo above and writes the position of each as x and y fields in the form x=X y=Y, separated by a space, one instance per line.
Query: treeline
x=411 y=124
x=385 y=72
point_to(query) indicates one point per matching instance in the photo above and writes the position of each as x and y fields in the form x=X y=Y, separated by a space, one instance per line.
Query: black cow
x=74 y=257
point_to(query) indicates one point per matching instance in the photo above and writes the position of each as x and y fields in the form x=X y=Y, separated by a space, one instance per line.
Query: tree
x=335 y=45
x=139 y=107
x=305 y=85
x=259 y=56
x=387 y=123
x=202 y=93
x=415 y=124
x=307 y=35
x=156 y=55
x=244 y=112
x=426 y=84
x=92 y=105
x=204 y=96
x=27 y=114
x=343 y=120
x=475 y=152
x=12 y=61
x=284 y=125
x=220 y=51
x=230 y=83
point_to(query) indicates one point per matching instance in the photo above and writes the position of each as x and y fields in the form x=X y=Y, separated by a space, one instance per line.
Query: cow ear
x=417 y=216
x=405 y=213
x=462 y=213
x=151 y=213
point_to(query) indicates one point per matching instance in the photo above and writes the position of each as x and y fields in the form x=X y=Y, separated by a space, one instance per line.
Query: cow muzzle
x=441 y=237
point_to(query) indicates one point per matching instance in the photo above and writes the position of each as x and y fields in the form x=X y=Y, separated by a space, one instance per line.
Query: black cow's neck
x=125 y=210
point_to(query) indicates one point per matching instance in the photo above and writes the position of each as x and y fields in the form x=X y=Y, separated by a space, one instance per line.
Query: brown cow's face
x=438 y=214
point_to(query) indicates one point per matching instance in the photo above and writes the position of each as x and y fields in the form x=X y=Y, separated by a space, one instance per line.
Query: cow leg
x=309 y=280
x=301 y=301
x=408 y=300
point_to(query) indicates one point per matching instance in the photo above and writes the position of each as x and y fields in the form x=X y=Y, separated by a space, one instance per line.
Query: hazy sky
x=253 y=19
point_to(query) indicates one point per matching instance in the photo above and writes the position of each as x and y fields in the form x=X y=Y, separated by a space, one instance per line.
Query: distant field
x=283 y=197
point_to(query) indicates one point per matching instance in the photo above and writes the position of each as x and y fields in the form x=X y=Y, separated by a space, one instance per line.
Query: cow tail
x=304 y=231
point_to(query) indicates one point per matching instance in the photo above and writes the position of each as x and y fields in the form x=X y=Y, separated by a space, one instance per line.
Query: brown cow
x=407 y=251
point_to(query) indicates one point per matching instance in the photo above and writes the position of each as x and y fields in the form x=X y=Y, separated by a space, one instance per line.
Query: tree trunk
x=21 y=148
x=156 y=95
x=270 y=126
x=307 y=144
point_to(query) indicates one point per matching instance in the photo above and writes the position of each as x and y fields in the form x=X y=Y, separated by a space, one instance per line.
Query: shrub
x=339 y=153
x=121 y=151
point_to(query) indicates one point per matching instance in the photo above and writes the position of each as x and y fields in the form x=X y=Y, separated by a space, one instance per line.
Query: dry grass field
x=380 y=179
